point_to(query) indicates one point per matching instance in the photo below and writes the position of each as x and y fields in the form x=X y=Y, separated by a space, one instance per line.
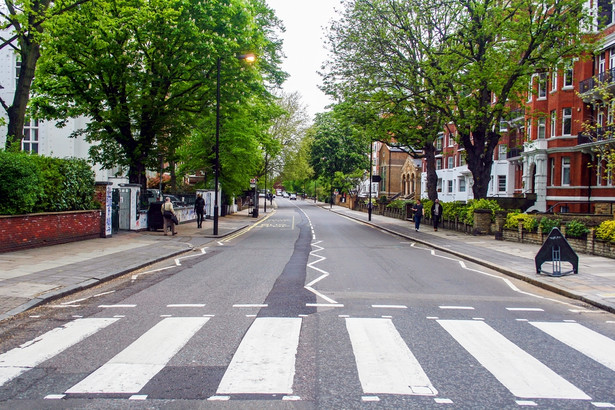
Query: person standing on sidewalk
x=167 y=214
x=418 y=214
x=199 y=206
x=436 y=213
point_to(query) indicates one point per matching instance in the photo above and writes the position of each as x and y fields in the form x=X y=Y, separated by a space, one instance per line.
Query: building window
x=462 y=159
x=502 y=149
x=552 y=171
x=566 y=171
x=450 y=186
x=439 y=185
x=439 y=143
x=530 y=89
x=554 y=80
x=501 y=183
x=568 y=76
x=605 y=8
x=542 y=128
x=553 y=122
x=462 y=185
x=451 y=140
x=601 y=64
x=528 y=130
x=542 y=86
x=29 y=143
x=600 y=119
x=566 y=121
x=438 y=163
x=451 y=162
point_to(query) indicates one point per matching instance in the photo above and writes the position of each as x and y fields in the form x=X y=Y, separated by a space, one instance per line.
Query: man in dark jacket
x=436 y=213
x=199 y=206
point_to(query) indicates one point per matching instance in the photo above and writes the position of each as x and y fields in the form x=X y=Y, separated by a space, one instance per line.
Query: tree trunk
x=432 y=176
x=30 y=52
x=480 y=159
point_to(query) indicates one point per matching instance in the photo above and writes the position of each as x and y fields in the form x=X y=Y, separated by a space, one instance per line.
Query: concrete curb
x=533 y=281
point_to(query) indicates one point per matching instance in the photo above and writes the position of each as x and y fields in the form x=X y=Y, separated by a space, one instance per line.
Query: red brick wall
x=33 y=230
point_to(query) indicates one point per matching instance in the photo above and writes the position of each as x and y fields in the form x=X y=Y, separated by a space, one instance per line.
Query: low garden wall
x=42 y=229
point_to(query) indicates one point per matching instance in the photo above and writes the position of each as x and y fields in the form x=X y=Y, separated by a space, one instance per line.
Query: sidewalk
x=31 y=277
x=594 y=284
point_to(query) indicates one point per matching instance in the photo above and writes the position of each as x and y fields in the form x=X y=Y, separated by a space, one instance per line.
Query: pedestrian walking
x=436 y=213
x=418 y=214
x=199 y=206
x=167 y=215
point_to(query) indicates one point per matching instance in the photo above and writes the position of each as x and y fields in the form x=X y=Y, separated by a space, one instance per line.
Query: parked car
x=293 y=196
x=175 y=200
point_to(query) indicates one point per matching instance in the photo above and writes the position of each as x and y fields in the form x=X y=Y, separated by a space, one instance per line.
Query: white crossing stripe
x=265 y=360
x=384 y=361
x=518 y=371
x=592 y=344
x=133 y=367
x=30 y=354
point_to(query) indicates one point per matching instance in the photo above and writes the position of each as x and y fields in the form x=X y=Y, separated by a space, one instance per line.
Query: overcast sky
x=305 y=21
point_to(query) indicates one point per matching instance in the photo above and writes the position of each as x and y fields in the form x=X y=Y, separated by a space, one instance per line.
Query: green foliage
x=606 y=231
x=399 y=203
x=482 y=203
x=530 y=223
x=453 y=210
x=427 y=203
x=576 y=229
x=546 y=224
x=33 y=183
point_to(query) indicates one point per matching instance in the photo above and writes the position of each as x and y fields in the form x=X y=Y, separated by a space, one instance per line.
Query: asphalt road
x=308 y=309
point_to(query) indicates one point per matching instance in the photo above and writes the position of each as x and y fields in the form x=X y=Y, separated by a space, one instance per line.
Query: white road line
x=133 y=367
x=32 y=353
x=525 y=309
x=390 y=306
x=592 y=344
x=183 y=305
x=324 y=305
x=517 y=370
x=456 y=307
x=265 y=359
x=384 y=362
x=116 y=306
x=252 y=305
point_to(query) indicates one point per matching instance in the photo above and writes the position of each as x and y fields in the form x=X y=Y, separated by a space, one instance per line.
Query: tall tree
x=143 y=71
x=472 y=56
x=23 y=22
x=334 y=152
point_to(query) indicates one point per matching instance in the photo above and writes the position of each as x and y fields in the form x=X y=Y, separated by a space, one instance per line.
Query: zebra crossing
x=265 y=361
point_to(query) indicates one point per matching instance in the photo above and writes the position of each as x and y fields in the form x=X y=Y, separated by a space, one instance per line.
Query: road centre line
x=390 y=306
x=525 y=309
x=324 y=305
x=183 y=305
x=253 y=305
x=457 y=307
x=116 y=306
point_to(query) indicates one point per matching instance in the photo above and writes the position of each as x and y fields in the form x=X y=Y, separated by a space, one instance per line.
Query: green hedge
x=530 y=223
x=606 y=231
x=33 y=183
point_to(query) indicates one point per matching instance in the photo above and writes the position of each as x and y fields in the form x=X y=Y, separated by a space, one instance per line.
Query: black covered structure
x=556 y=249
x=154 y=216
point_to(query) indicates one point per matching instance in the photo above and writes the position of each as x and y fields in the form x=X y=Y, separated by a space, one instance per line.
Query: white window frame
x=568 y=77
x=30 y=140
x=611 y=58
x=567 y=120
x=439 y=185
x=565 y=171
x=501 y=183
x=450 y=186
x=541 y=132
x=553 y=122
x=450 y=162
x=554 y=80
x=502 y=150
x=542 y=87
x=552 y=170
x=601 y=63
x=530 y=89
x=528 y=130
x=438 y=163
x=462 y=185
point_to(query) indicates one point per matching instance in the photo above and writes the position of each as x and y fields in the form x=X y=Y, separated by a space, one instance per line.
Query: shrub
x=606 y=231
x=452 y=210
x=33 y=183
x=530 y=224
x=576 y=229
x=398 y=204
x=480 y=204
x=427 y=203
x=546 y=224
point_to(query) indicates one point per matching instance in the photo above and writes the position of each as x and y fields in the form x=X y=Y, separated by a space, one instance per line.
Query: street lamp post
x=371 y=168
x=249 y=58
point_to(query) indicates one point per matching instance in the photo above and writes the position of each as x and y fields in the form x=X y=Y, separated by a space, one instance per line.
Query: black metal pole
x=217 y=163
x=371 y=159
x=266 y=195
